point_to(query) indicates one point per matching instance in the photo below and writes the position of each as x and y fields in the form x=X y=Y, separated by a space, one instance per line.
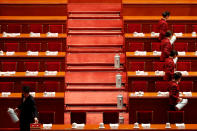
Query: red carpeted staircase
x=95 y=36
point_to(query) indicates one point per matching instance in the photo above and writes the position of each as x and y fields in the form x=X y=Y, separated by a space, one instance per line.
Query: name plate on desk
x=143 y=53
x=193 y=34
x=5 y=94
x=156 y=52
x=114 y=126
x=153 y=34
x=34 y=34
x=140 y=93
x=187 y=93
x=11 y=34
x=181 y=53
x=50 y=73
x=159 y=73
x=35 y=126
x=1 y=53
x=141 y=73
x=31 y=73
x=135 y=34
x=52 y=53
x=10 y=53
x=178 y=34
x=146 y=126
x=159 y=93
x=49 y=34
x=8 y=73
x=49 y=94
x=180 y=125
x=47 y=126
x=32 y=53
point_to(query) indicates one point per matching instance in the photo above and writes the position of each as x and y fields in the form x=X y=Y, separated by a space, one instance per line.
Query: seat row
x=130 y=28
x=36 y=28
x=31 y=66
x=17 y=47
x=48 y=86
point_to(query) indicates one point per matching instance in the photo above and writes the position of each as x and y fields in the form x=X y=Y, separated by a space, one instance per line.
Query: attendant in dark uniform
x=163 y=25
x=169 y=66
x=28 y=111
x=174 y=91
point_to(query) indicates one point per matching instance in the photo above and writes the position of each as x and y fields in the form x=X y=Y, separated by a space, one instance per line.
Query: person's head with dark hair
x=173 y=54
x=25 y=90
x=168 y=34
x=166 y=15
x=177 y=77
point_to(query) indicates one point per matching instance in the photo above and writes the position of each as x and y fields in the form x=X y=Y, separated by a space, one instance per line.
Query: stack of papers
x=32 y=94
x=162 y=93
x=34 y=34
x=51 y=52
x=140 y=53
x=11 y=34
x=50 y=73
x=180 y=125
x=194 y=34
x=32 y=53
x=146 y=126
x=178 y=34
x=10 y=52
x=114 y=126
x=5 y=94
x=140 y=93
x=8 y=73
x=181 y=52
x=49 y=34
x=141 y=73
x=135 y=34
x=153 y=34
x=156 y=52
x=187 y=93
x=31 y=73
x=159 y=73
x=49 y=94
x=47 y=126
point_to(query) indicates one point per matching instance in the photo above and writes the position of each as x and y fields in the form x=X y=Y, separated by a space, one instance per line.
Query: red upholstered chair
x=51 y=86
x=53 y=66
x=183 y=66
x=156 y=46
x=6 y=86
x=54 y=46
x=162 y=86
x=179 y=28
x=32 y=66
x=155 y=28
x=33 y=47
x=180 y=46
x=194 y=28
x=175 y=117
x=36 y=28
x=9 y=66
x=158 y=66
x=47 y=117
x=32 y=85
x=136 y=46
x=134 y=28
x=78 y=117
x=110 y=117
x=144 y=116
x=139 y=86
x=13 y=28
x=12 y=47
x=186 y=86
x=135 y=66
x=56 y=28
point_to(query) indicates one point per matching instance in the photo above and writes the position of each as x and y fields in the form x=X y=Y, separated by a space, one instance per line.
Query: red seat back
x=33 y=47
x=158 y=66
x=51 y=86
x=134 y=28
x=175 y=117
x=156 y=46
x=194 y=28
x=32 y=66
x=179 y=28
x=136 y=46
x=52 y=66
x=139 y=86
x=13 y=28
x=54 y=46
x=12 y=47
x=186 y=86
x=155 y=28
x=135 y=66
x=56 y=28
x=183 y=66
x=180 y=46
x=31 y=84
x=36 y=28
x=144 y=116
x=9 y=66
x=6 y=86
x=162 y=86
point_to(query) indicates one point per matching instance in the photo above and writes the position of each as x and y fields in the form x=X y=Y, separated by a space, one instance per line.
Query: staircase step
x=93 y=108
x=93 y=88
x=93 y=98
x=94 y=68
x=95 y=32
x=90 y=77
x=98 y=41
x=94 y=7
x=94 y=16
x=94 y=49
x=107 y=24
x=93 y=58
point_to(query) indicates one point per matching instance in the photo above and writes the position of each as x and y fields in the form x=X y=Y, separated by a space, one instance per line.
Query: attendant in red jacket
x=166 y=45
x=174 y=91
x=163 y=25
x=169 y=66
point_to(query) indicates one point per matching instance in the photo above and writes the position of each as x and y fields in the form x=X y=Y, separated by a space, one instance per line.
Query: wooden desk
x=150 y=58
x=147 y=40
x=158 y=127
x=154 y=7
x=33 y=8
x=44 y=104
x=159 y=106
x=151 y=78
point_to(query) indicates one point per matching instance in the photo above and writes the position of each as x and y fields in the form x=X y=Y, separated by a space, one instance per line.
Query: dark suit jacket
x=28 y=110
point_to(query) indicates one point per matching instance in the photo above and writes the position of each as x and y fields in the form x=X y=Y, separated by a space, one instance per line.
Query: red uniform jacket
x=163 y=27
x=169 y=67
x=166 y=48
x=173 y=93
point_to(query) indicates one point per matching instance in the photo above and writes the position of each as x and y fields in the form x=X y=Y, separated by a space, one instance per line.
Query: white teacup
x=168 y=125
x=101 y=125
x=136 y=125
